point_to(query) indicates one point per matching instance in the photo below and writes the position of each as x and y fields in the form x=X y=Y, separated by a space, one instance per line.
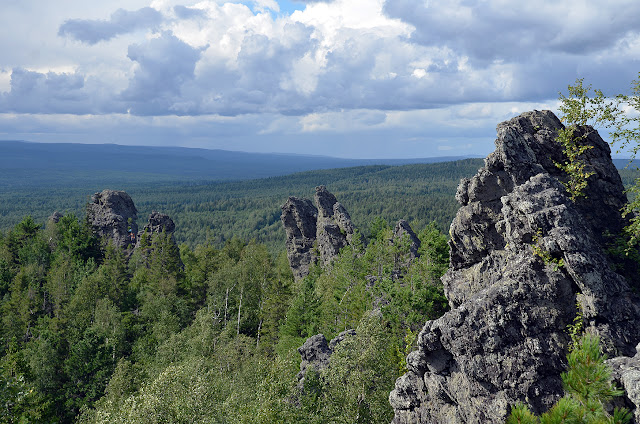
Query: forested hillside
x=215 y=212
x=99 y=334
x=209 y=331
x=26 y=164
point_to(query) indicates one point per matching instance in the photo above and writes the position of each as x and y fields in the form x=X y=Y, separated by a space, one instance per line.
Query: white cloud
x=345 y=66
x=5 y=81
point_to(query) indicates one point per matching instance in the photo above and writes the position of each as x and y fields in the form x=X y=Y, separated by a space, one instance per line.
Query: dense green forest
x=26 y=164
x=95 y=334
x=217 y=211
x=207 y=330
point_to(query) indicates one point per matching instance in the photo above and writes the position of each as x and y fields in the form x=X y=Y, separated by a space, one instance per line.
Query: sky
x=344 y=78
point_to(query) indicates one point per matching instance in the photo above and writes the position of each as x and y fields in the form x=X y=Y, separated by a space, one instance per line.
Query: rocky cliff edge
x=523 y=255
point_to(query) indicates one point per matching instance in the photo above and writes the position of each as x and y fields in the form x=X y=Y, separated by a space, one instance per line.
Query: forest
x=208 y=329
x=214 y=212
x=96 y=334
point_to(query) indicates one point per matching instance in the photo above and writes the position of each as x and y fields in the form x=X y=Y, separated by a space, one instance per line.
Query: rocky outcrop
x=403 y=229
x=522 y=256
x=334 y=229
x=159 y=222
x=316 y=352
x=113 y=215
x=299 y=218
x=55 y=217
x=327 y=228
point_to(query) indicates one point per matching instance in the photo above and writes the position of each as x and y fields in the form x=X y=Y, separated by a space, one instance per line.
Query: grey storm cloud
x=35 y=92
x=488 y=31
x=121 y=22
x=165 y=65
x=457 y=53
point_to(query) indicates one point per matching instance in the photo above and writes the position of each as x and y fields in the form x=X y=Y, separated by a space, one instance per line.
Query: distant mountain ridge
x=35 y=160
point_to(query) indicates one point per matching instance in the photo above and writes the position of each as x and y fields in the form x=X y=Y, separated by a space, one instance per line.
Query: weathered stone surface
x=299 y=218
x=159 y=222
x=327 y=227
x=403 y=229
x=55 y=217
x=316 y=352
x=109 y=213
x=626 y=374
x=505 y=338
x=334 y=228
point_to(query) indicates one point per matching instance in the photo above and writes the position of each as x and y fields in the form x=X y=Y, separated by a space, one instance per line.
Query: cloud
x=220 y=57
x=165 y=64
x=399 y=71
x=499 y=30
x=121 y=22
x=36 y=92
x=183 y=12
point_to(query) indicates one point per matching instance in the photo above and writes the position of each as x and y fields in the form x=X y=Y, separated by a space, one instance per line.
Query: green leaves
x=578 y=110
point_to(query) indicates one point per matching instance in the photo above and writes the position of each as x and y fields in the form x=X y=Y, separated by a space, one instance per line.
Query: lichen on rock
x=505 y=340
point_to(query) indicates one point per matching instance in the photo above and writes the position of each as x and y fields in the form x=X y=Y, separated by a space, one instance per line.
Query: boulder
x=159 y=222
x=626 y=375
x=330 y=231
x=523 y=255
x=55 y=217
x=113 y=215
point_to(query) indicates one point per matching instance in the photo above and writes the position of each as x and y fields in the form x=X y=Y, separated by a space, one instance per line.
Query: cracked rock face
x=522 y=255
x=109 y=213
x=316 y=352
x=299 y=218
x=159 y=222
x=315 y=233
x=403 y=229
x=626 y=375
x=334 y=227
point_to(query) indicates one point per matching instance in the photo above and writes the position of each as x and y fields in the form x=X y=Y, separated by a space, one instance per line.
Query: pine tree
x=588 y=388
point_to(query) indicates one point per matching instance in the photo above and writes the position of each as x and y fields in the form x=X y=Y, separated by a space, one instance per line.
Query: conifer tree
x=588 y=389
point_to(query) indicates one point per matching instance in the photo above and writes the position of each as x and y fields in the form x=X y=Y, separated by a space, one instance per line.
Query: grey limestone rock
x=159 y=222
x=55 y=217
x=403 y=229
x=626 y=374
x=113 y=215
x=315 y=233
x=334 y=228
x=316 y=352
x=299 y=218
x=504 y=340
